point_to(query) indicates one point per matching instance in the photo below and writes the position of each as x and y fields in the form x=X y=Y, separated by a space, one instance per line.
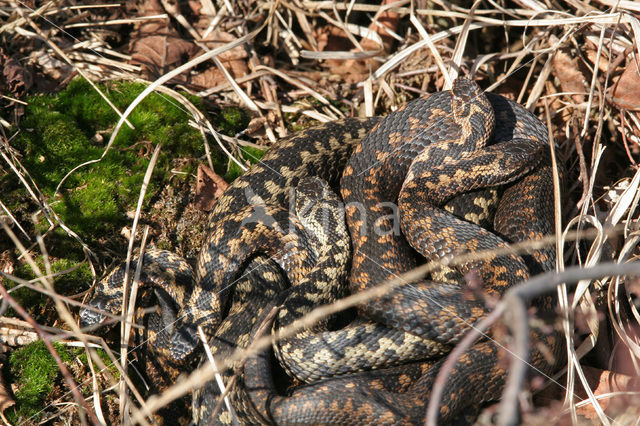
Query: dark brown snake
x=422 y=157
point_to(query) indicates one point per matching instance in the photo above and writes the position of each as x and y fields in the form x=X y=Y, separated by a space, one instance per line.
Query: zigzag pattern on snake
x=441 y=143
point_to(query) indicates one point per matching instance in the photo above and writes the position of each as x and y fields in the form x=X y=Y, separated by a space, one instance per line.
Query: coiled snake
x=423 y=156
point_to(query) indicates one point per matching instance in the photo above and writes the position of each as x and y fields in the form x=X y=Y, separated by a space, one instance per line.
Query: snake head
x=94 y=314
x=184 y=341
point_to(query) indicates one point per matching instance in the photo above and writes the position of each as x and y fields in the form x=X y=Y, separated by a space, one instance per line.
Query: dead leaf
x=17 y=78
x=387 y=20
x=567 y=70
x=145 y=8
x=7 y=263
x=15 y=335
x=209 y=187
x=601 y=382
x=592 y=56
x=334 y=39
x=233 y=60
x=604 y=382
x=157 y=46
x=159 y=54
x=331 y=38
x=50 y=64
x=5 y=397
x=212 y=76
x=256 y=127
x=219 y=38
x=626 y=91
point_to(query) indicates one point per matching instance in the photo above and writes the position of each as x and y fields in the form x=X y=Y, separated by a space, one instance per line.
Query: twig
x=129 y=303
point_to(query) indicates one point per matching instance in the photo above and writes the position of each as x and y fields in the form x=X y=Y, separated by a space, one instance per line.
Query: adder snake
x=441 y=150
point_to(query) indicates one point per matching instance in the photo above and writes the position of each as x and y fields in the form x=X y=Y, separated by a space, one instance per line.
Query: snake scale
x=414 y=186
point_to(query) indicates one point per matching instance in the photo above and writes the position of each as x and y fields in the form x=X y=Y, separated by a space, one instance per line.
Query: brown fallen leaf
x=219 y=38
x=334 y=39
x=157 y=46
x=602 y=383
x=212 y=76
x=566 y=69
x=388 y=20
x=330 y=38
x=592 y=55
x=233 y=60
x=18 y=79
x=200 y=13
x=209 y=187
x=5 y=396
x=159 y=54
x=7 y=262
x=626 y=91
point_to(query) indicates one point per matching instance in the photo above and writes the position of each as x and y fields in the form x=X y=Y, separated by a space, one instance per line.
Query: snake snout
x=183 y=342
x=94 y=315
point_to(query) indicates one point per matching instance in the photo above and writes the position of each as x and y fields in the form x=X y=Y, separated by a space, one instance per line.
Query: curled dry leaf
x=387 y=22
x=218 y=39
x=5 y=396
x=331 y=38
x=592 y=55
x=209 y=187
x=18 y=79
x=7 y=263
x=603 y=382
x=16 y=335
x=157 y=46
x=613 y=389
x=212 y=76
x=200 y=13
x=50 y=64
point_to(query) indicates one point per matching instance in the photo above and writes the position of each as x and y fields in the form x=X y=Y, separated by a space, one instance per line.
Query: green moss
x=66 y=283
x=231 y=120
x=253 y=155
x=58 y=133
x=82 y=356
x=35 y=372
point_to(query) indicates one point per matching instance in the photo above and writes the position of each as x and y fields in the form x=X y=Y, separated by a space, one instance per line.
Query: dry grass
x=561 y=60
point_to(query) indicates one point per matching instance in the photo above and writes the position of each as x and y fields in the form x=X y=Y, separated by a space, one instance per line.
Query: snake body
x=424 y=319
x=422 y=157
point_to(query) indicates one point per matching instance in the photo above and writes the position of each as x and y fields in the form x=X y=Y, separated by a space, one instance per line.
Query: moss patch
x=61 y=131
x=113 y=370
x=35 y=372
x=37 y=376
x=231 y=120
x=58 y=132
x=253 y=155
x=66 y=283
